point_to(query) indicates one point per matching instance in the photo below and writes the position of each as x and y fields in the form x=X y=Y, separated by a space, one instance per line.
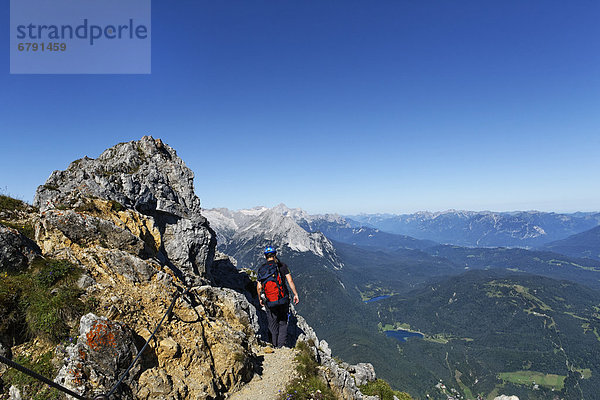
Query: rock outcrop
x=131 y=221
x=146 y=176
x=16 y=250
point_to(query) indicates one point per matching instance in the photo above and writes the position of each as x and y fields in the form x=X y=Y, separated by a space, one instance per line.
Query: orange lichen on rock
x=100 y=336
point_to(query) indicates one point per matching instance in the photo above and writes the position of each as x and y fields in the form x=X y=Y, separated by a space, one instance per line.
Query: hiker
x=273 y=295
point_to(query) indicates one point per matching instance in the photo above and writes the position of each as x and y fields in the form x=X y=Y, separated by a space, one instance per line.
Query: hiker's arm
x=258 y=290
x=293 y=287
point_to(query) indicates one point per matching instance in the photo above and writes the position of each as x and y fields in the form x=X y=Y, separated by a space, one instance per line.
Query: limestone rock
x=16 y=250
x=157 y=385
x=146 y=175
x=131 y=220
x=85 y=281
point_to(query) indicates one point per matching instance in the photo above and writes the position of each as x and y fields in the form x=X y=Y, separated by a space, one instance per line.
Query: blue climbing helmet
x=269 y=250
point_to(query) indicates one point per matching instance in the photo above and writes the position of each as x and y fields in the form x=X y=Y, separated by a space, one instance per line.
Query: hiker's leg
x=273 y=325
x=282 y=339
x=282 y=316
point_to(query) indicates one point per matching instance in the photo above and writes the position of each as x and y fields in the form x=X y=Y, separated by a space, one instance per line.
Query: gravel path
x=278 y=369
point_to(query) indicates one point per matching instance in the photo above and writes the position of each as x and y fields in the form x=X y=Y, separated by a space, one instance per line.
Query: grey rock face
x=102 y=353
x=148 y=176
x=16 y=250
x=130 y=267
x=363 y=373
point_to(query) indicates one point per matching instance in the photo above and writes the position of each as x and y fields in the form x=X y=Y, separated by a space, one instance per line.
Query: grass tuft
x=40 y=301
x=382 y=389
x=8 y=203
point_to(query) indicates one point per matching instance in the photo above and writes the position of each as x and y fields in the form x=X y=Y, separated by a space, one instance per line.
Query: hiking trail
x=278 y=368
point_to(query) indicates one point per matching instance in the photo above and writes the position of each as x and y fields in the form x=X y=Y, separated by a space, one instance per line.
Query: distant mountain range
x=482 y=229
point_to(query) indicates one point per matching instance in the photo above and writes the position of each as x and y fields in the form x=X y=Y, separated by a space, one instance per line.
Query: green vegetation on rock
x=308 y=385
x=8 y=203
x=42 y=299
x=382 y=389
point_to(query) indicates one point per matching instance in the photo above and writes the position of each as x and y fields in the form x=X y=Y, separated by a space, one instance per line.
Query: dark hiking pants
x=277 y=318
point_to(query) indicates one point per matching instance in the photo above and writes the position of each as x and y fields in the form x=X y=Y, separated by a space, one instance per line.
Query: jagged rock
x=102 y=353
x=16 y=250
x=190 y=245
x=324 y=348
x=128 y=266
x=149 y=177
x=232 y=306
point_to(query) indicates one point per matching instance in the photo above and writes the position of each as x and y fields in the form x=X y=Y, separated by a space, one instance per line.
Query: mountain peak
x=144 y=174
x=147 y=176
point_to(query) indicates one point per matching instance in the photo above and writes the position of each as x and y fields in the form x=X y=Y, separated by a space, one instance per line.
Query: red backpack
x=273 y=285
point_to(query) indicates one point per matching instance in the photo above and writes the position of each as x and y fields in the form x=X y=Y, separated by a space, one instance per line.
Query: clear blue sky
x=339 y=105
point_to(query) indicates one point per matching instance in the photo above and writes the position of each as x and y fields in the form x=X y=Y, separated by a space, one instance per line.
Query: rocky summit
x=148 y=179
x=87 y=276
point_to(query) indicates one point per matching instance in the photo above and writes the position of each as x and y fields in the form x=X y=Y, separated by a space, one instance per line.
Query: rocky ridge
x=130 y=220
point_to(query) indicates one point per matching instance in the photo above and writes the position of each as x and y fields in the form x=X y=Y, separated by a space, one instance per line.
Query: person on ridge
x=274 y=296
